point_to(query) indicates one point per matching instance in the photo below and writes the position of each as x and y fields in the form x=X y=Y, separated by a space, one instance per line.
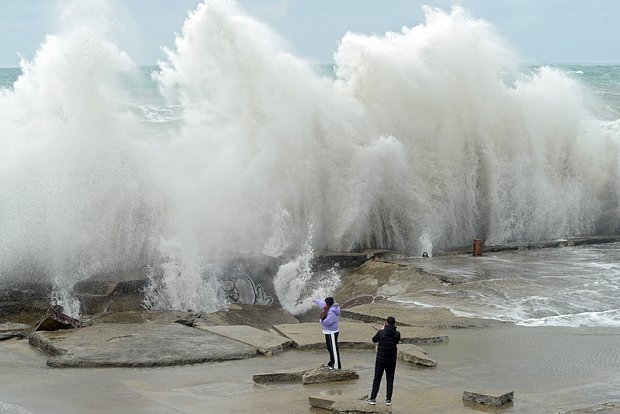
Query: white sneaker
x=388 y=402
x=371 y=401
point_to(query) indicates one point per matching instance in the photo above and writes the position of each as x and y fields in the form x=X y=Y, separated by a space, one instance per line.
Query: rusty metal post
x=478 y=244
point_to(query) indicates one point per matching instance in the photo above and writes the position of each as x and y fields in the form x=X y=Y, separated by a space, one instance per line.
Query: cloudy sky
x=540 y=31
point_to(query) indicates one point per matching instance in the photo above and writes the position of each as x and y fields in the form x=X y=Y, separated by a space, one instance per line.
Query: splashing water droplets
x=425 y=139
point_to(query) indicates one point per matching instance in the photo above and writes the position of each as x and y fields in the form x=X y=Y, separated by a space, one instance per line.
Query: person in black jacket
x=386 y=339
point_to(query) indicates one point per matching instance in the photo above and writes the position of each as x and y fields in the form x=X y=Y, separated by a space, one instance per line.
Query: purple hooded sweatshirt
x=330 y=323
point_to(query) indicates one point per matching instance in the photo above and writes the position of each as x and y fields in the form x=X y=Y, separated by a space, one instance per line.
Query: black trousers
x=331 y=340
x=389 y=377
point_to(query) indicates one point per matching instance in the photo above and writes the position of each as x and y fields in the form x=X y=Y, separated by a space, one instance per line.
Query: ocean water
x=568 y=286
x=417 y=141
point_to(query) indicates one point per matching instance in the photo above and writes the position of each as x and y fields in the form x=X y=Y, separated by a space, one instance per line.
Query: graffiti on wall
x=239 y=287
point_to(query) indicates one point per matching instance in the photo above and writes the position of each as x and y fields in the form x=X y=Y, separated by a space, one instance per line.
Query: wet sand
x=549 y=369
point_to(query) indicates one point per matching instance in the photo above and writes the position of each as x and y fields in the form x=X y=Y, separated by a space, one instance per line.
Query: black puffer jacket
x=386 y=339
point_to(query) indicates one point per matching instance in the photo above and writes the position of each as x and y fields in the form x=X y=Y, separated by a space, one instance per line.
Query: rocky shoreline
x=123 y=335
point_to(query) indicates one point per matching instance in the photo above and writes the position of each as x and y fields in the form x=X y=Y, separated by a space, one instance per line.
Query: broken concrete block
x=493 y=401
x=341 y=406
x=321 y=375
x=55 y=319
x=415 y=355
x=266 y=377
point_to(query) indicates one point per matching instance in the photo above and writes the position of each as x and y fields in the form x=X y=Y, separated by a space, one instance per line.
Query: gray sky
x=540 y=31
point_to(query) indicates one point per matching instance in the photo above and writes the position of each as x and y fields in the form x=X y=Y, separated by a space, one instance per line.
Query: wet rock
x=23 y=301
x=117 y=291
x=415 y=355
x=359 y=300
x=142 y=316
x=55 y=319
x=490 y=400
x=13 y=330
x=322 y=375
x=326 y=261
x=437 y=318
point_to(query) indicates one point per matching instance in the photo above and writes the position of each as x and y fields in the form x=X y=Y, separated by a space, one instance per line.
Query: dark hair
x=390 y=320
x=329 y=301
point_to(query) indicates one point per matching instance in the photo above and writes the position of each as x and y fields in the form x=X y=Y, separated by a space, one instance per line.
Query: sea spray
x=78 y=199
x=425 y=138
x=297 y=283
x=179 y=283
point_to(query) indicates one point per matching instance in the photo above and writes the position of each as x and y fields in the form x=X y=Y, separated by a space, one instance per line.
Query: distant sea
x=601 y=82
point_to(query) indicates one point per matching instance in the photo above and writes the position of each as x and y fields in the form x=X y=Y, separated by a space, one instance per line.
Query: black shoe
x=371 y=401
x=388 y=402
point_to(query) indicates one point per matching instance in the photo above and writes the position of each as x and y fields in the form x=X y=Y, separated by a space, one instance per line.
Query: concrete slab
x=414 y=335
x=353 y=335
x=347 y=406
x=323 y=375
x=265 y=342
x=269 y=377
x=10 y=330
x=309 y=376
x=419 y=317
x=136 y=345
x=415 y=355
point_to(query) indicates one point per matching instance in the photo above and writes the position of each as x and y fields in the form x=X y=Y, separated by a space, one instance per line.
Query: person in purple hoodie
x=330 y=317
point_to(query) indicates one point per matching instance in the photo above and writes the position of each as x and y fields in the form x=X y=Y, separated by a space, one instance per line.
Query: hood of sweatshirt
x=335 y=308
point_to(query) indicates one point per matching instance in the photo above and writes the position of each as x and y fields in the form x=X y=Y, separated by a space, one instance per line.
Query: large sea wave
x=417 y=140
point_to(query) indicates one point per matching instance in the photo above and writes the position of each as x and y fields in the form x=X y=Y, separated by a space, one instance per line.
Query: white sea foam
x=610 y=318
x=419 y=143
x=297 y=283
x=6 y=408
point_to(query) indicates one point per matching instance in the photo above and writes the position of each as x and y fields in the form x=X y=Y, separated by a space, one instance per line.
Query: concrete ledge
x=352 y=406
x=267 y=377
x=322 y=375
x=13 y=330
x=353 y=335
x=309 y=376
x=413 y=335
x=266 y=343
x=437 y=318
x=136 y=345
x=493 y=401
x=415 y=355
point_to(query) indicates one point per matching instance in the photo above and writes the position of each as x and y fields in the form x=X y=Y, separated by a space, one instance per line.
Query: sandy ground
x=549 y=369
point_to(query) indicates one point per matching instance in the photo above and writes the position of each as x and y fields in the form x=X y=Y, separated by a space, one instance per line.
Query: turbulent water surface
x=417 y=140
x=568 y=286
